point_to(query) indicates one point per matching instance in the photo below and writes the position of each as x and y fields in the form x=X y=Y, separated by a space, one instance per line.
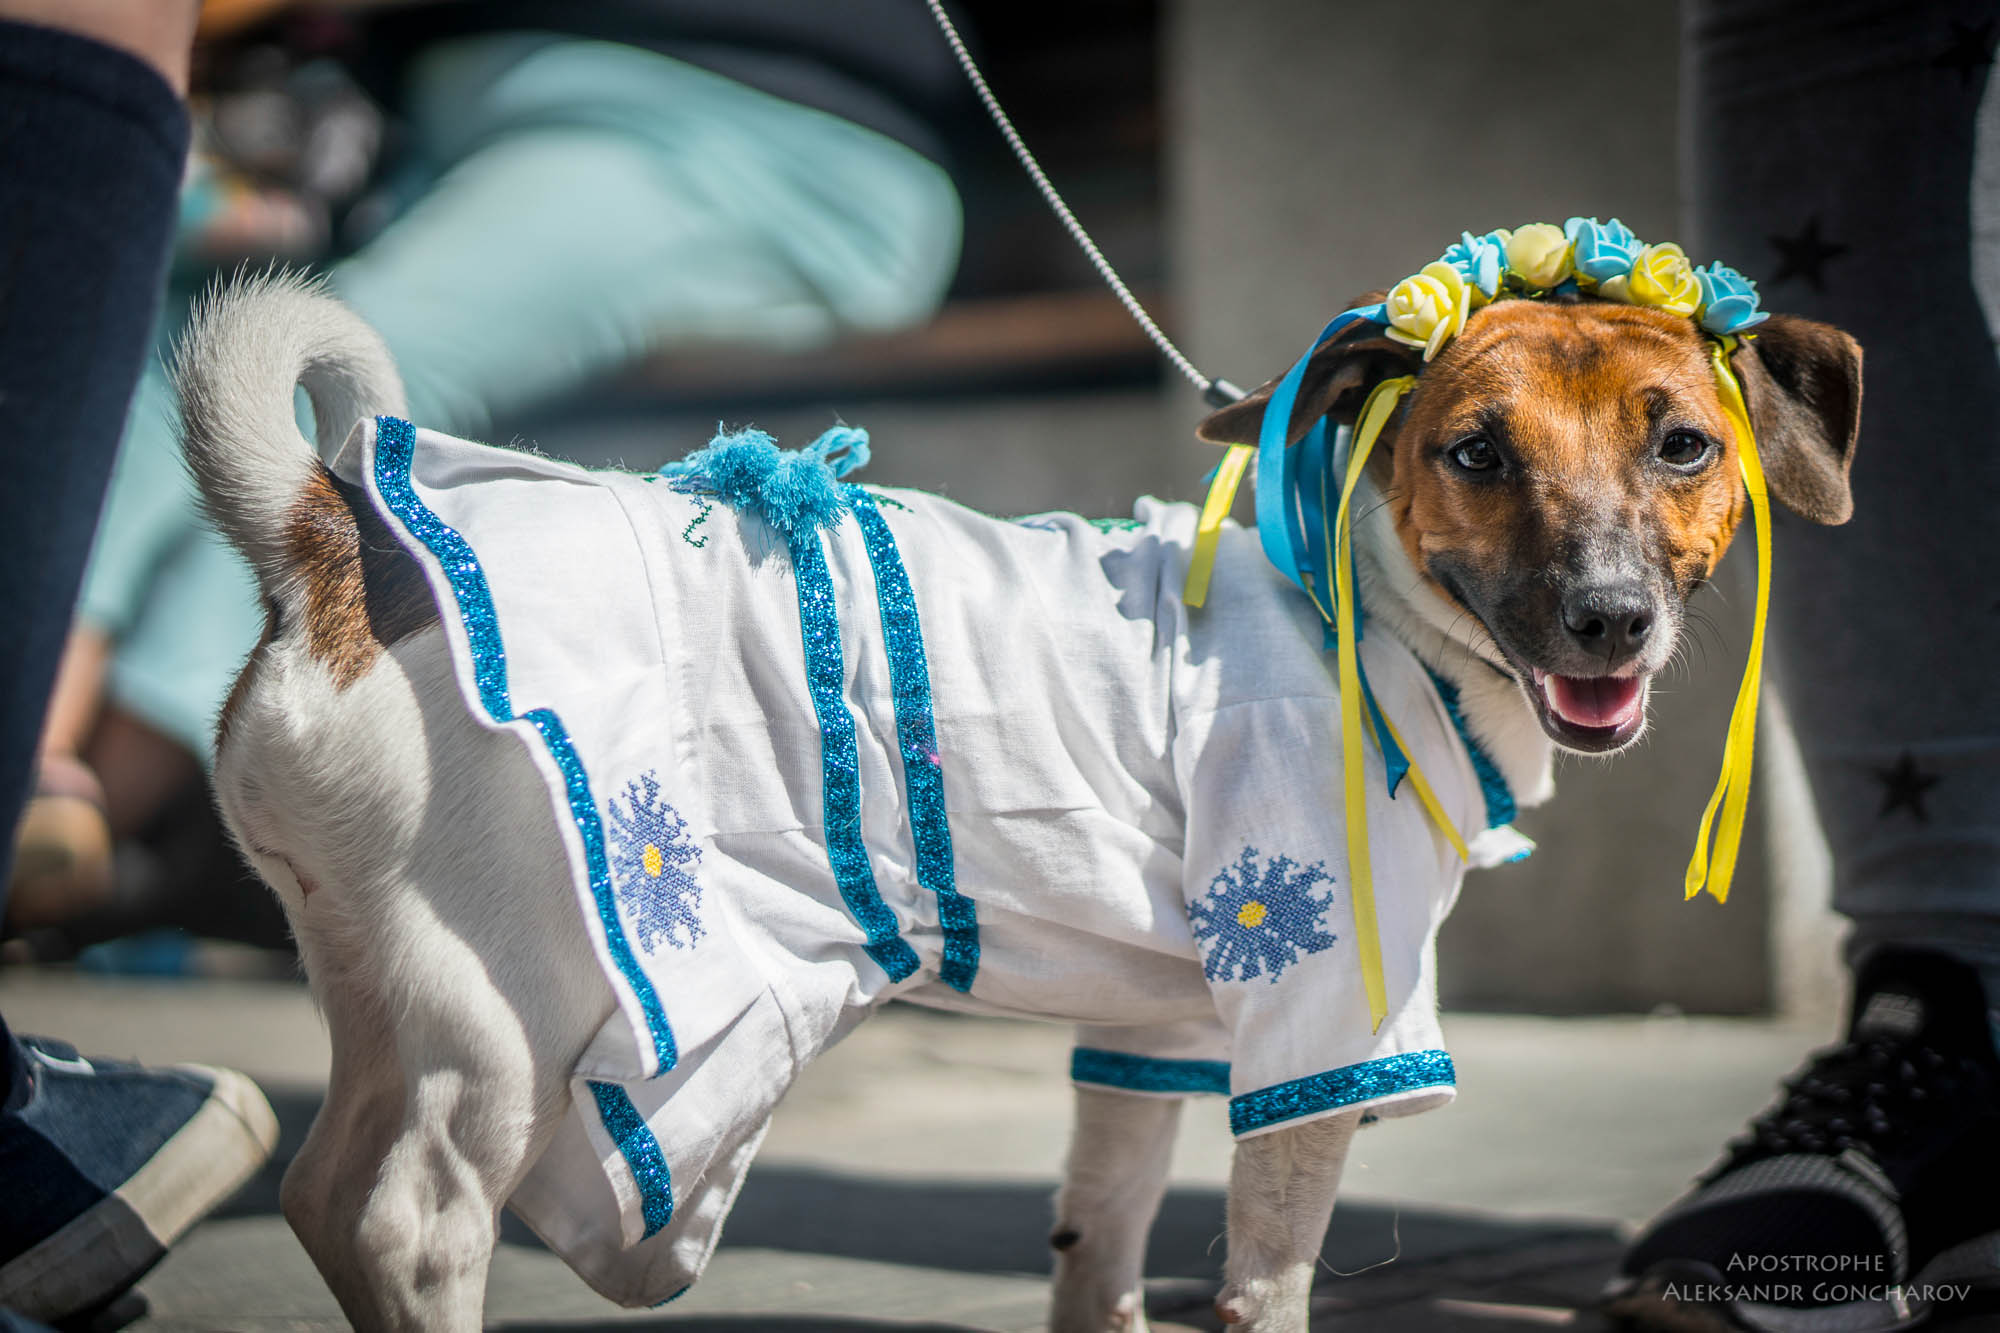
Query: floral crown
x=1583 y=256
x=1305 y=495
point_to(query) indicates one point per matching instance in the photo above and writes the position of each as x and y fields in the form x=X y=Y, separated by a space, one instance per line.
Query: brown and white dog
x=1559 y=484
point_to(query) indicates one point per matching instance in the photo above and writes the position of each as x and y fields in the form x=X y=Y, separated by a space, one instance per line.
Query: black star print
x=1971 y=50
x=1904 y=787
x=1805 y=255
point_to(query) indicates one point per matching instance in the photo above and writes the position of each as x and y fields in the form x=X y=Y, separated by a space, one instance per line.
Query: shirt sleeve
x=1269 y=897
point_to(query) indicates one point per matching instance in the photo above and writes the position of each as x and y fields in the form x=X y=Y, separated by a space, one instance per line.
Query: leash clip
x=1221 y=393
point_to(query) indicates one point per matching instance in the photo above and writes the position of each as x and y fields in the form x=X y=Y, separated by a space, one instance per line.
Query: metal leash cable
x=1215 y=392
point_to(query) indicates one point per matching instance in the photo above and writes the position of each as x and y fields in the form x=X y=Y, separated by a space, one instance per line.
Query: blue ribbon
x=1275 y=521
x=1291 y=515
x=1395 y=763
x=1309 y=460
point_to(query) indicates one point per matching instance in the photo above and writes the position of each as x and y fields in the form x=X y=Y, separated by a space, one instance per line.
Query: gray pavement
x=905 y=1183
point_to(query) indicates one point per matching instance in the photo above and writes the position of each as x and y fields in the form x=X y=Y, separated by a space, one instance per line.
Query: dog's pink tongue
x=1595 y=701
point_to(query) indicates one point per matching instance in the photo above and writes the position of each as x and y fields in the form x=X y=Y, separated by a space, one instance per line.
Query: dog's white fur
x=459 y=1007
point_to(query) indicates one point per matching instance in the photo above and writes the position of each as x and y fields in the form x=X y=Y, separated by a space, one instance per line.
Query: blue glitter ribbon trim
x=1367 y=1081
x=642 y=1154
x=1500 y=807
x=916 y=734
x=395 y=440
x=1147 y=1073
x=840 y=766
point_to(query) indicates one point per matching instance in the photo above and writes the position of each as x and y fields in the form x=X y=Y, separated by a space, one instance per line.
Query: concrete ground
x=906 y=1182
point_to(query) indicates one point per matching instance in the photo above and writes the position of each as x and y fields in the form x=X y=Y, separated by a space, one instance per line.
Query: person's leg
x=100 y=1165
x=598 y=201
x=1831 y=148
x=149 y=522
x=92 y=143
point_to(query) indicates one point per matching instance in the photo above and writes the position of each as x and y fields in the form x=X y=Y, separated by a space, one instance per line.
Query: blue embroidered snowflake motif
x=1257 y=921
x=654 y=860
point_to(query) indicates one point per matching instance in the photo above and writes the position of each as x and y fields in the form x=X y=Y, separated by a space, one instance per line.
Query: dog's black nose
x=1609 y=620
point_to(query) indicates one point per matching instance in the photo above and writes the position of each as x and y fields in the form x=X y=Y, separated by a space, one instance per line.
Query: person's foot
x=1866 y=1197
x=104 y=1164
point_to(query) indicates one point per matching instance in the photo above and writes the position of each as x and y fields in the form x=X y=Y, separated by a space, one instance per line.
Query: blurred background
x=1235 y=161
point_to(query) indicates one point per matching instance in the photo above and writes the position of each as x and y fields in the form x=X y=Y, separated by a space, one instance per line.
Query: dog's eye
x=1474 y=455
x=1684 y=449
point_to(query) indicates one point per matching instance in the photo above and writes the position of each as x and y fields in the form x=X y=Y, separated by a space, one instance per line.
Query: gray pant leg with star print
x=1847 y=155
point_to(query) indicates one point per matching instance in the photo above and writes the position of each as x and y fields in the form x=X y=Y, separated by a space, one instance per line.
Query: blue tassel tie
x=797 y=492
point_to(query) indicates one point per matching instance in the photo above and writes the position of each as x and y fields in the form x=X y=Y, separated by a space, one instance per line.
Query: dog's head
x=1564 y=477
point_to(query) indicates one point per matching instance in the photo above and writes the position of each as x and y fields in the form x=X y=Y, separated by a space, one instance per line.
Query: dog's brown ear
x=1337 y=380
x=1802 y=384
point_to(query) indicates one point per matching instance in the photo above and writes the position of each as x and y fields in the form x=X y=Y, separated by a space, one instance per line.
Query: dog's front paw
x=1276 y=1304
x=1128 y=1315
x=1125 y=1313
x=1088 y=1299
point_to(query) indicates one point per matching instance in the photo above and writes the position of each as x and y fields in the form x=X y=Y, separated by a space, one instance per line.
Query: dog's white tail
x=248 y=346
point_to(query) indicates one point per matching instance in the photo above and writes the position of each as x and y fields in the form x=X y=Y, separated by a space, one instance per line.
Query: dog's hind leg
x=463 y=1133
x=441 y=1099
x=418 y=859
x=1111 y=1191
x=323 y=1191
x=437 y=1105
x=1281 y=1188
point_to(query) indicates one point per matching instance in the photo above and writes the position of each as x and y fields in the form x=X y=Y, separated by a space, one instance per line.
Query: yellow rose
x=1428 y=308
x=1661 y=277
x=1539 y=254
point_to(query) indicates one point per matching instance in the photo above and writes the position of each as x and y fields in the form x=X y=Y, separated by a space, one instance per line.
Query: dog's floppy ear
x=1337 y=380
x=1802 y=384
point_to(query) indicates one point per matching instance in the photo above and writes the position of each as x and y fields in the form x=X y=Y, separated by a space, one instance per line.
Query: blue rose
x=1604 y=250
x=1728 y=300
x=1480 y=260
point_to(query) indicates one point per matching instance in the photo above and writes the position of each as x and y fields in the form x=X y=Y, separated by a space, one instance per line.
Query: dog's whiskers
x=1387 y=497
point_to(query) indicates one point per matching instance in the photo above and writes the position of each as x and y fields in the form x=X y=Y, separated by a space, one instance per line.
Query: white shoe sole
x=108 y=1248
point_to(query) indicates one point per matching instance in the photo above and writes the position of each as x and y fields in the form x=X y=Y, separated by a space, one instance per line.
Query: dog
x=574 y=922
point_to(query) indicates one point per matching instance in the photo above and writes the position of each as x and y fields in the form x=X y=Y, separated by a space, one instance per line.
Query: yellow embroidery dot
x=1251 y=914
x=653 y=861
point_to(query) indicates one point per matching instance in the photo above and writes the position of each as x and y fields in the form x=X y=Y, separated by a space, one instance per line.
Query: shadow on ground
x=1387 y=1269
x=722 y=1323
x=997 y=1227
x=989 y=1227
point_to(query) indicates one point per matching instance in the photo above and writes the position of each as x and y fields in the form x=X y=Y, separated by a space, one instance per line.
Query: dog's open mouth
x=1594 y=714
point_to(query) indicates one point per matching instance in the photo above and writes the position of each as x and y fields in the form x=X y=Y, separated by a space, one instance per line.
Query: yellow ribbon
x=1208 y=532
x=1414 y=773
x=1361 y=881
x=1732 y=788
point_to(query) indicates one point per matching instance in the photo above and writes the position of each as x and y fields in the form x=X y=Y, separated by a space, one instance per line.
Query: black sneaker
x=104 y=1164
x=1866 y=1197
